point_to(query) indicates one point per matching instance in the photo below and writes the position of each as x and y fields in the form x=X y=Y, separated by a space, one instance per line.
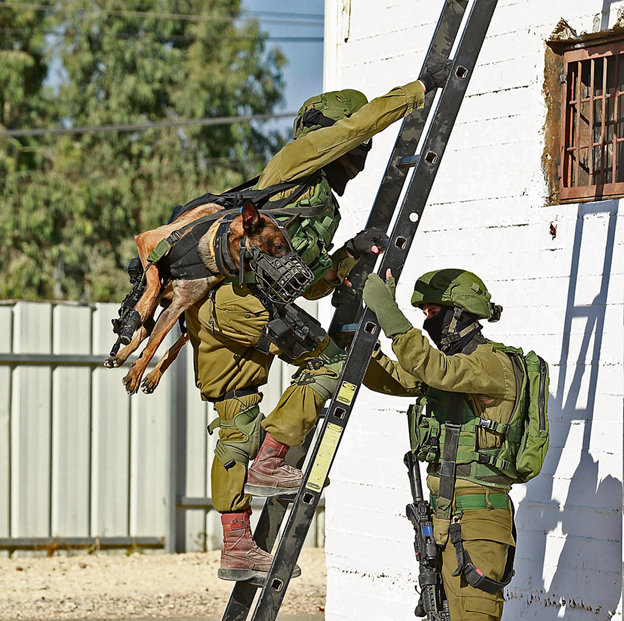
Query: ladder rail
x=410 y=215
x=384 y=205
x=394 y=176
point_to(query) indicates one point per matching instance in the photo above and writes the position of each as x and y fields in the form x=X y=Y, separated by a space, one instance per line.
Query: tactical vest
x=312 y=237
x=503 y=465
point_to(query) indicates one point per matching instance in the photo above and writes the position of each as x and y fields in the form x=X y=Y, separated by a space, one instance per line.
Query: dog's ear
x=251 y=218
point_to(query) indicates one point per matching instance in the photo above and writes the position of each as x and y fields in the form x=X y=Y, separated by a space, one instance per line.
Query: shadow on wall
x=588 y=574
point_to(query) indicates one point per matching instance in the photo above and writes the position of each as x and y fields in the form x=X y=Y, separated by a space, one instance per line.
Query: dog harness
x=177 y=255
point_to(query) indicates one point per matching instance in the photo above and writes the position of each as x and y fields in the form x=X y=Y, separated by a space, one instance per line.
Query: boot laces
x=287 y=468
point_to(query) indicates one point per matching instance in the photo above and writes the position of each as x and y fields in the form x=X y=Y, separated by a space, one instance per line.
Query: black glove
x=364 y=241
x=343 y=294
x=437 y=75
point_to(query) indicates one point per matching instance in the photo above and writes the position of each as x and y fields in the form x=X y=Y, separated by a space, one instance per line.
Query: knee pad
x=322 y=373
x=248 y=423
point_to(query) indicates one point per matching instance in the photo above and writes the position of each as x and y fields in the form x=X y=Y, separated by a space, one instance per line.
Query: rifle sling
x=449 y=457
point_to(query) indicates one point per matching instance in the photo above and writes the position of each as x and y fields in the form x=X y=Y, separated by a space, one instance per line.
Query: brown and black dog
x=179 y=295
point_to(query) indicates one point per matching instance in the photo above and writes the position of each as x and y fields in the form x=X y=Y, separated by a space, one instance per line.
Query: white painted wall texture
x=562 y=297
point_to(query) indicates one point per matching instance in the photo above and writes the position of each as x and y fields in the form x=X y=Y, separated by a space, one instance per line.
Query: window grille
x=592 y=137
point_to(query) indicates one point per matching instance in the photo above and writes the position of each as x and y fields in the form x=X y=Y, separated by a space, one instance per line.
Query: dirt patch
x=138 y=586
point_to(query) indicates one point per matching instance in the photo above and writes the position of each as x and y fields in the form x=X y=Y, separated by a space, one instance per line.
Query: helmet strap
x=458 y=329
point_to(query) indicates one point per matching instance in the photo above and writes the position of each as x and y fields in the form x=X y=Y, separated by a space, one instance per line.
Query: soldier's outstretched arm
x=303 y=156
x=480 y=374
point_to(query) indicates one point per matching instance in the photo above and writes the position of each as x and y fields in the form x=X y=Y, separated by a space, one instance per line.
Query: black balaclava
x=345 y=168
x=453 y=337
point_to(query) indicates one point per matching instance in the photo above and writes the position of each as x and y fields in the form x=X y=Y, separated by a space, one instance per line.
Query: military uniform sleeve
x=342 y=264
x=302 y=157
x=482 y=372
x=386 y=376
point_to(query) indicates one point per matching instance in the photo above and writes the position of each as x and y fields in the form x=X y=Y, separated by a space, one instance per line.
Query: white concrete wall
x=562 y=297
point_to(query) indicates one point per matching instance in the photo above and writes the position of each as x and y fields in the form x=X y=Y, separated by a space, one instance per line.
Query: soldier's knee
x=242 y=438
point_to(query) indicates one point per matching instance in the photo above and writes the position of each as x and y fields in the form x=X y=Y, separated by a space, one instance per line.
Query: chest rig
x=429 y=425
x=312 y=236
x=443 y=431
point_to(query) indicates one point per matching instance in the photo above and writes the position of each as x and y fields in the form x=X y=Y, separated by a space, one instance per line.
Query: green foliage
x=70 y=205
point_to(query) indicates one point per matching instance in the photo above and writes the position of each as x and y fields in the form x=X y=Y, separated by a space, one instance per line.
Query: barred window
x=592 y=136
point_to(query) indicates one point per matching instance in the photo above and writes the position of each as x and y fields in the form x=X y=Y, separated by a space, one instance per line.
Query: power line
x=164 y=16
x=254 y=12
x=132 y=127
x=213 y=161
x=304 y=15
x=165 y=38
x=251 y=11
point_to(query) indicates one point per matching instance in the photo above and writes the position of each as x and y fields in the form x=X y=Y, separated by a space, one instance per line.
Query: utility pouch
x=424 y=430
x=294 y=331
x=534 y=443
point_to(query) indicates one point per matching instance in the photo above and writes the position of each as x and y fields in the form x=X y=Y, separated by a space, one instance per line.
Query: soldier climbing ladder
x=360 y=324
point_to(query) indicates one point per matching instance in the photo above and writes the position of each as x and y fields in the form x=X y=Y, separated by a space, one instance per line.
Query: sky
x=303 y=75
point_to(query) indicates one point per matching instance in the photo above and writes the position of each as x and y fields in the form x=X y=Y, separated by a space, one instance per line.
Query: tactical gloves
x=379 y=297
x=343 y=294
x=436 y=76
x=364 y=241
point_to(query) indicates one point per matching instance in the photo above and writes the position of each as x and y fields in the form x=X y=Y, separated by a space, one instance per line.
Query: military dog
x=180 y=294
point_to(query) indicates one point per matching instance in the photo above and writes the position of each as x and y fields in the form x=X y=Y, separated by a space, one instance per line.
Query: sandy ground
x=138 y=587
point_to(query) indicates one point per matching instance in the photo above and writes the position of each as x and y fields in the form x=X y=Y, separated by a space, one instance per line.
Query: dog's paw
x=114 y=362
x=132 y=381
x=150 y=382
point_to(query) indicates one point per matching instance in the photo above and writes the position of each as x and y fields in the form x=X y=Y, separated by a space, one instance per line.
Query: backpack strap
x=238 y=195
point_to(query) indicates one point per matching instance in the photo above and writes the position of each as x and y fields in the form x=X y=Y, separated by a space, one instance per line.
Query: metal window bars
x=592 y=136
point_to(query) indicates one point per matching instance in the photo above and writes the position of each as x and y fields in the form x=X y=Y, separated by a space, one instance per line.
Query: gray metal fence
x=84 y=464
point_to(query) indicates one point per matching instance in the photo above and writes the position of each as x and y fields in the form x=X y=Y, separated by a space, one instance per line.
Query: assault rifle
x=432 y=603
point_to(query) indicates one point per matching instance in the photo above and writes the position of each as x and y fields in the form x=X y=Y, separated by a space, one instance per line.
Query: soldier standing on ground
x=464 y=362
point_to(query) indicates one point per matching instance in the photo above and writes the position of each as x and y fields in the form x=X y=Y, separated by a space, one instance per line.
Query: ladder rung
x=347 y=328
x=353 y=373
x=408 y=162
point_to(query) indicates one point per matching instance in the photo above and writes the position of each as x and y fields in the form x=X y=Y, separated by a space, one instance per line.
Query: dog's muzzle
x=280 y=279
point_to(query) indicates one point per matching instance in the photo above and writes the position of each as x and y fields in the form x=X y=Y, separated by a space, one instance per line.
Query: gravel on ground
x=138 y=586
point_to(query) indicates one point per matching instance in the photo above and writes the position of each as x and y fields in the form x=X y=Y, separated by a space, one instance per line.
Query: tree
x=71 y=212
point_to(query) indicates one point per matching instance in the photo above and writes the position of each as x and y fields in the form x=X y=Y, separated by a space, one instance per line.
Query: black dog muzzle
x=280 y=279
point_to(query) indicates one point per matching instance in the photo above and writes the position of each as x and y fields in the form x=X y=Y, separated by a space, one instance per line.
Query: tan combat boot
x=268 y=475
x=241 y=558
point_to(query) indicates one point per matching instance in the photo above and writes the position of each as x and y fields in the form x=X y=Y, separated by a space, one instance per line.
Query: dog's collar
x=222 y=254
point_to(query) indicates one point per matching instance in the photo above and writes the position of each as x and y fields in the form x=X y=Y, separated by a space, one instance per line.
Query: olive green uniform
x=225 y=330
x=486 y=376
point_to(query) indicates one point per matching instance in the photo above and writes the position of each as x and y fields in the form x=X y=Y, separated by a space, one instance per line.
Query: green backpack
x=523 y=450
x=527 y=456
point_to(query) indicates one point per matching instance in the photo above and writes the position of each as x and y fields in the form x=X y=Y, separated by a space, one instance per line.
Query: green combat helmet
x=325 y=109
x=458 y=289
